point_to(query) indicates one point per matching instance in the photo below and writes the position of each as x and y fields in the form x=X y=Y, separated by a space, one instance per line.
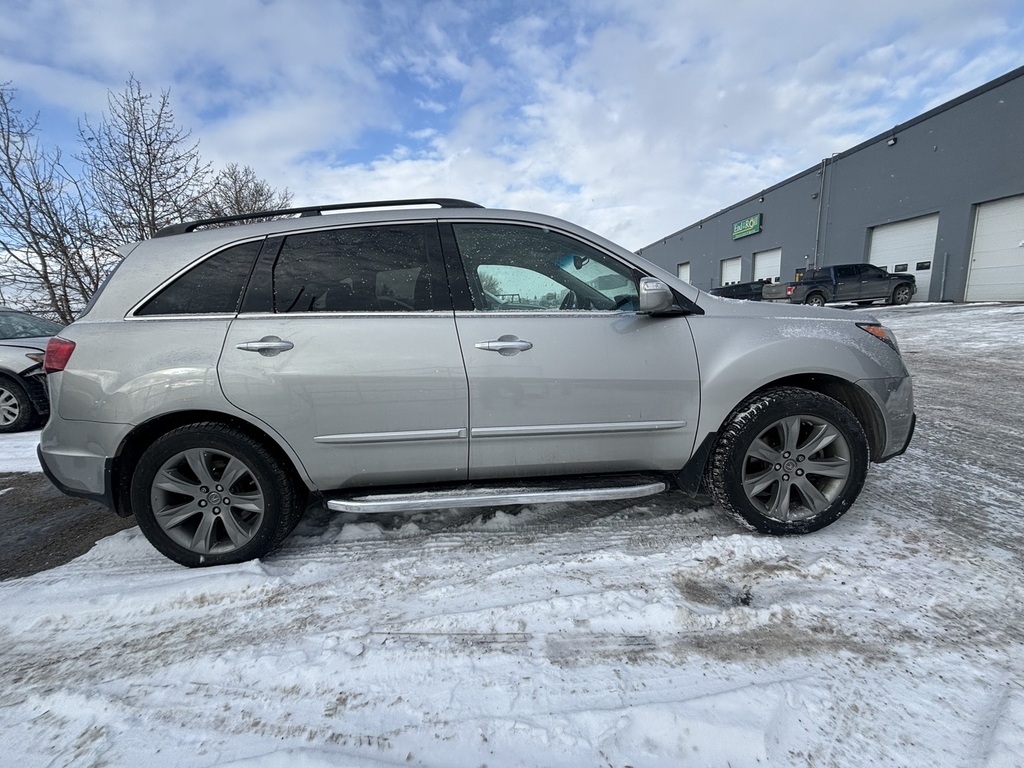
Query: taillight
x=58 y=352
x=789 y=290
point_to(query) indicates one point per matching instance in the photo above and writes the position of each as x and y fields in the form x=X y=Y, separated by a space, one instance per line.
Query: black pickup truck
x=860 y=283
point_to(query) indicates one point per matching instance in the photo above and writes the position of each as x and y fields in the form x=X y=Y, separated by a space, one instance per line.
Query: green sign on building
x=750 y=226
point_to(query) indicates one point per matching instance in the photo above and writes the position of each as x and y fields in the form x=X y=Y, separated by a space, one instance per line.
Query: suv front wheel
x=209 y=494
x=789 y=461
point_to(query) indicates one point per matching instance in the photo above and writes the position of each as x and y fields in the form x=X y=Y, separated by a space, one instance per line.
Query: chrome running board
x=508 y=493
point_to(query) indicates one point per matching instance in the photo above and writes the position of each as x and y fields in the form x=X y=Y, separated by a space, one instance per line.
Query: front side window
x=212 y=287
x=366 y=269
x=528 y=269
x=872 y=272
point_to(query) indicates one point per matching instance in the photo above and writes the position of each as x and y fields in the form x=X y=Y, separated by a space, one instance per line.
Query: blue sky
x=634 y=119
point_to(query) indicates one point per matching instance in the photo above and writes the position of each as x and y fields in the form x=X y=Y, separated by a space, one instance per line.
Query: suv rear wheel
x=789 y=461
x=209 y=494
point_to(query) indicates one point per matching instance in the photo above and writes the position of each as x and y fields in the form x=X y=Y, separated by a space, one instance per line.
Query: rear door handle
x=505 y=345
x=268 y=346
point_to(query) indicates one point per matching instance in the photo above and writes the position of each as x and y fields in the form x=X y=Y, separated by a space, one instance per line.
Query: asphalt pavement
x=41 y=528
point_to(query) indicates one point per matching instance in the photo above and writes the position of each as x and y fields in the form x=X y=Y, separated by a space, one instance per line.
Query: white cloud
x=633 y=120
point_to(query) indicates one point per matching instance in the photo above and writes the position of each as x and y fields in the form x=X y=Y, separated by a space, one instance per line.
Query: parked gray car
x=23 y=400
x=225 y=376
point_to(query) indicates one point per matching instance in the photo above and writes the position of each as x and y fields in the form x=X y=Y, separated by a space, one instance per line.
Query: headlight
x=881 y=332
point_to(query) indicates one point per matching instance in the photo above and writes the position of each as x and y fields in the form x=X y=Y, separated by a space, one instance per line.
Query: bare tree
x=144 y=172
x=237 y=190
x=49 y=261
x=138 y=172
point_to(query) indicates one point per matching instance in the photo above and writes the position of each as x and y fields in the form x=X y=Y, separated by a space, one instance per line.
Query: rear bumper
x=104 y=497
x=81 y=462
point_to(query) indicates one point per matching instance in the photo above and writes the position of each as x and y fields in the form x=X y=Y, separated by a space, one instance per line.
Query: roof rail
x=312 y=210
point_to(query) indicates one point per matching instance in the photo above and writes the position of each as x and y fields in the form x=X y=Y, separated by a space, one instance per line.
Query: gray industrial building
x=940 y=196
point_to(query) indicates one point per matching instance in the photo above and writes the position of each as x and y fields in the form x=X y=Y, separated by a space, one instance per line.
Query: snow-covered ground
x=18 y=452
x=642 y=634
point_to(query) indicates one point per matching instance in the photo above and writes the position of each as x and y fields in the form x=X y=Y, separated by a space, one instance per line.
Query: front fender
x=738 y=357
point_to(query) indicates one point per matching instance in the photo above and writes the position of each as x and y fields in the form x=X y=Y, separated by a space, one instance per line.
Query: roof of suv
x=313 y=210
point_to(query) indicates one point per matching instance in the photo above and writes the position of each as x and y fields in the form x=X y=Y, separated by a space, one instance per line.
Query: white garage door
x=683 y=271
x=907 y=246
x=997 y=256
x=768 y=265
x=731 y=270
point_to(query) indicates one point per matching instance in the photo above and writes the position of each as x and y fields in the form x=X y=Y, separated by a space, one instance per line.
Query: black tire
x=209 y=494
x=901 y=294
x=16 y=411
x=815 y=300
x=788 y=461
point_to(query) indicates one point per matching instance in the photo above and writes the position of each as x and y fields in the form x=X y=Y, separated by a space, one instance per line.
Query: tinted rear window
x=364 y=269
x=213 y=286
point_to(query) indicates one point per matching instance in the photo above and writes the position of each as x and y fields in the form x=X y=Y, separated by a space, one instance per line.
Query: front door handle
x=505 y=345
x=268 y=346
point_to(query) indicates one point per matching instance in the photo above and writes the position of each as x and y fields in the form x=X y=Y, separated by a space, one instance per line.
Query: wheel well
x=143 y=436
x=850 y=395
x=35 y=391
x=8 y=377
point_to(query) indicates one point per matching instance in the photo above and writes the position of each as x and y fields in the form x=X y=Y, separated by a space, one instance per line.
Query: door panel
x=347 y=348
x=362 y=400
x=847 y=283
x=564 y=376
x=874 y=283
x=594 y=393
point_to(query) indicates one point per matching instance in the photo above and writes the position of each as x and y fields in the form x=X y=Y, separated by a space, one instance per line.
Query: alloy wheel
x=796 y=468
x=208 y=501
x=10 y=407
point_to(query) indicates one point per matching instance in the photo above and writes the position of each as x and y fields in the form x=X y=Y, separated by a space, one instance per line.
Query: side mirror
x=655 y=296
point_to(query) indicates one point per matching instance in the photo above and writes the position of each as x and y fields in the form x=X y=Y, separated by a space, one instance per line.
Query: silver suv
x=432 y=354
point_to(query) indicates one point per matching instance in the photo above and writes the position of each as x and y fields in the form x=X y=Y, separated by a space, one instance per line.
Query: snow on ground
x=643 y=634
x=18 y=452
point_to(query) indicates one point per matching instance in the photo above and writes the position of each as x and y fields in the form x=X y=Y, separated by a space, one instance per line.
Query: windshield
x=18 y=325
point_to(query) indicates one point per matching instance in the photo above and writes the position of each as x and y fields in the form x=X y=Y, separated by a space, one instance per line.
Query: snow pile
x=646 y=634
